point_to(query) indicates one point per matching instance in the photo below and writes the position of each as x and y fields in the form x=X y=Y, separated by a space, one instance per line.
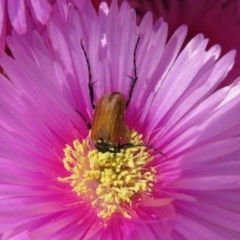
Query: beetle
x=108 y=130
x=108 y=122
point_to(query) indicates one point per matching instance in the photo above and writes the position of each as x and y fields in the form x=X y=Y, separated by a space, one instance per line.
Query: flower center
x=109 y=181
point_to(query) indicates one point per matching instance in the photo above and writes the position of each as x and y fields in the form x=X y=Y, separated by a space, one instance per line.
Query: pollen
x=109 y=181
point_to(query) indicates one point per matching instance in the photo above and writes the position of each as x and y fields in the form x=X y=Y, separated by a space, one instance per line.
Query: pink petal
x=2 y=24
x=16 y=11
x=189 y=229
x=63 y=9
x=208 y=183
x=41 y=9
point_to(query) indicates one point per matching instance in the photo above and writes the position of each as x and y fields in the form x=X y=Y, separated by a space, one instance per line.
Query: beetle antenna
x=134 y=79
x=90 y=82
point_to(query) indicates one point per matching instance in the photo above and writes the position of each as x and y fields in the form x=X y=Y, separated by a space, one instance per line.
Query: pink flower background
x=178 y=105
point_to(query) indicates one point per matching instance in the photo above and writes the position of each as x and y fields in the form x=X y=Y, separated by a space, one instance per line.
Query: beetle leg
x=90 y=82
x=131 y=145
x=88 y=124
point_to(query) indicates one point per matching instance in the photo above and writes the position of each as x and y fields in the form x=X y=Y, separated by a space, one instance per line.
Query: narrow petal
x=41 y=10
x=208 y=183
x=16 y=11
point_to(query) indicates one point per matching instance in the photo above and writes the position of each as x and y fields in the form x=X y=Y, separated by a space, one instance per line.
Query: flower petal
x=16 y=11
x=41 y=10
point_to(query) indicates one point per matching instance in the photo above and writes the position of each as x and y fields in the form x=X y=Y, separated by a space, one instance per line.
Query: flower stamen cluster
x=109 y=180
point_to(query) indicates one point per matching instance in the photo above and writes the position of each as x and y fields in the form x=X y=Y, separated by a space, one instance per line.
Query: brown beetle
x=108 y=130
x=108 y=123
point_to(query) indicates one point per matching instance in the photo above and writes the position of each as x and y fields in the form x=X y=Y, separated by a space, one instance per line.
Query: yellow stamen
x=109 y=180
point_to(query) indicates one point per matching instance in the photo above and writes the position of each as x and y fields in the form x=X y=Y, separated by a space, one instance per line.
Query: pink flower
x=180 y=181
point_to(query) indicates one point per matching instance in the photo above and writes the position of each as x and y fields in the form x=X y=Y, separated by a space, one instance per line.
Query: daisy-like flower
x=174 y=173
